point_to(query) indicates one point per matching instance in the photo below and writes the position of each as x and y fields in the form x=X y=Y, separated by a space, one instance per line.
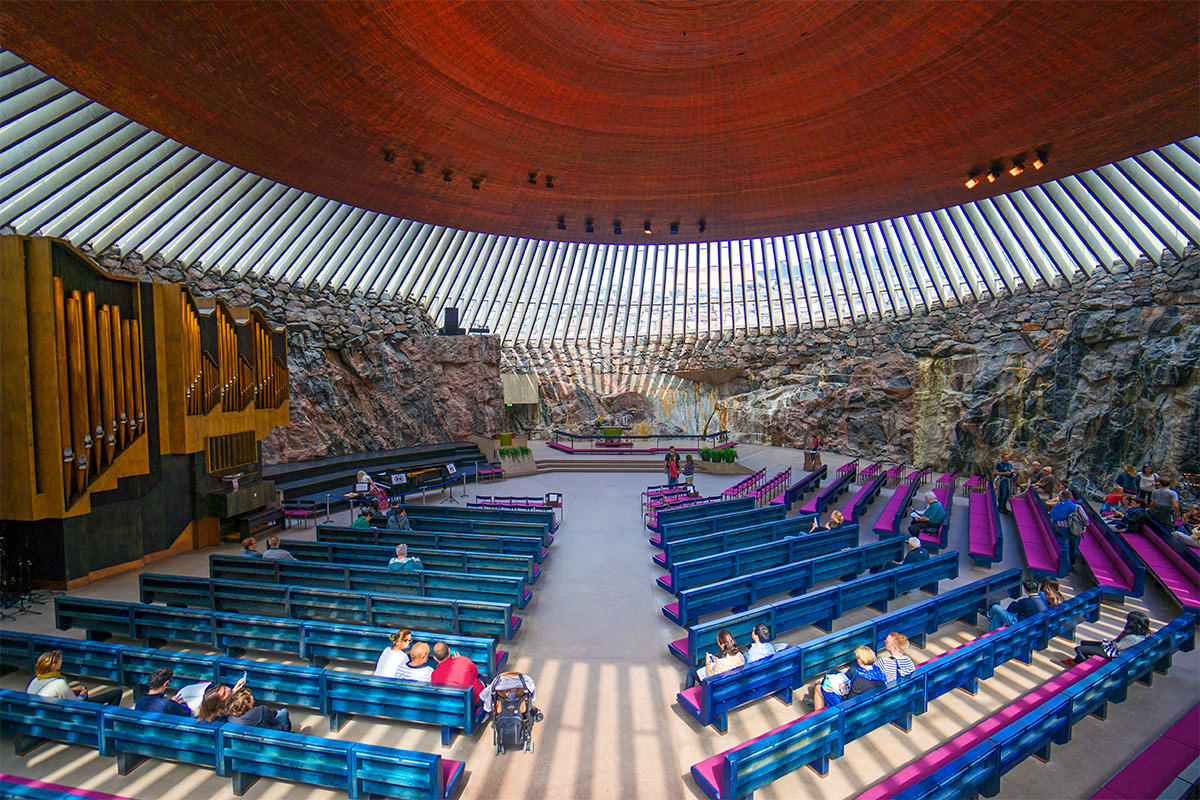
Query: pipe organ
x=113 y=388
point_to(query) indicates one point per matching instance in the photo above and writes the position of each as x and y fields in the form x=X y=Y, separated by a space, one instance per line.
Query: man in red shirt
x=455 y=670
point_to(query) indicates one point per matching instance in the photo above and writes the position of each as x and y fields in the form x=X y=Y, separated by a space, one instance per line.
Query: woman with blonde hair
x=394 y=658
x=836 y=520
x=382 y=504
x=837 y=687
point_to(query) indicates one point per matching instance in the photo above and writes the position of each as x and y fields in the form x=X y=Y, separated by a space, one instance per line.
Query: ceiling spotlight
x=589 y=225
x=389 y=155
x=702 y=225
x=533 y=177
x=1039 y=159
x=646 y=228
x=991 y=176
x=418 y=165
x=674 y=228
x=549 y=181
x=1017 y=167
x=476 y=182
x=447 y=175
x=616 y=227
x=972 y=180
x=562 y=222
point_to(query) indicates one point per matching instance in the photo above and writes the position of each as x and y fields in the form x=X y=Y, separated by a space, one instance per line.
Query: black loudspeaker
x=450 y=322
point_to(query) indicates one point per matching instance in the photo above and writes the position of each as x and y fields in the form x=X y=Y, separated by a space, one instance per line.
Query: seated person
x=835 y=520
x=1133 y=517
x=1113 y=501
x=418 y=667
x=239 y=708
x=274 y=551
x=393 y=658
x=1188 y=536
x=212 y=699
x=1137 y=628
x=363 y=520
x=1032 y=603
x=455 y=670
x=397 y=519
x=837 y=687
x=1047 y=486
x=155 y=699
x=897 y=663
x=731 y=657
x=930 y=519
x=1127 y=479
x=915 y=554
x=1191 y=517
x=49 y=682
x=250 y=547
x=1051 y=591
x=762 y=646
x=403 y=561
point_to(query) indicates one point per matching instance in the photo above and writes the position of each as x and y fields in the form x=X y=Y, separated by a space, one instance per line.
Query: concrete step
x=584 y=464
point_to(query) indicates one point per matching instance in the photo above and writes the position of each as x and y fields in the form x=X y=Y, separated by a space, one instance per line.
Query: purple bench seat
x=1033 y=529
x=906 y=776
x=1106 y=564
x=1175 y=574
x=983 y=529
x=869 y=487
x=870 y=471
x=886 y=525
x=1151 y=772
x=709 y=774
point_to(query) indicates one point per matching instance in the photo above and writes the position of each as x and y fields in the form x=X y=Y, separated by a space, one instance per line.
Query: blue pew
x=1033 y=724
x=371 y=555
x=241 y=753
x=521 y=516
x=507 y=545
x=697 y=546
x=812 y=480
x=423 y=583
x=471 y=527
x=745 y=590
x=334 y=693
x=985 y=537
x=715 y=524
x=889 y=522
x=300 y=602
x=672 y=515
x=826 y=497
x=862 y=499
x=818 y=737
x=790 y=667
x=232 y=634
x=821 y=607
x=741 y=560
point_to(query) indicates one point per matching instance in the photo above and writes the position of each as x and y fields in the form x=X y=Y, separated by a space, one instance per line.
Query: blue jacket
x=161 y=704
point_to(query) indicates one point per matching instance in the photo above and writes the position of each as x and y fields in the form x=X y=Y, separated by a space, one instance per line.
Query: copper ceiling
x=760 y=117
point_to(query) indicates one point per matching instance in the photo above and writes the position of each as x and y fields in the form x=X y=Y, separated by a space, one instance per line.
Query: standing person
x=689 y=470
x=1127 y=479
x=1164 y=504
x=1147 y=483
x=1004 y=475
x=1069 y=523
x=671 y=466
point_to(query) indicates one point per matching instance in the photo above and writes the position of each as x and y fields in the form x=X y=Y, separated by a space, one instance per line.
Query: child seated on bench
x=1137 y=628
x=837 y=687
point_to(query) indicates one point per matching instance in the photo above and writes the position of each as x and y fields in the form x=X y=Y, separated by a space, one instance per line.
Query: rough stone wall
x=1082 y=377
x=365 y=374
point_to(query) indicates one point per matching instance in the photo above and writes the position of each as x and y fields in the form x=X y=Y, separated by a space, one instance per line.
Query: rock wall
x=1081 y=377
x=365 y=374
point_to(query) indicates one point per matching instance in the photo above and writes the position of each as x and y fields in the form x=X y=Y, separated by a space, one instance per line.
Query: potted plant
x=728 y=454
x=706 y=454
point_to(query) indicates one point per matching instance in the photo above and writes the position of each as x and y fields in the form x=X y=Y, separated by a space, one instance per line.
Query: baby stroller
x=510 y=698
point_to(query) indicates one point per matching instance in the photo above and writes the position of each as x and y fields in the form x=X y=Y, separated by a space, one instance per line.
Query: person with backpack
x=1069 y=521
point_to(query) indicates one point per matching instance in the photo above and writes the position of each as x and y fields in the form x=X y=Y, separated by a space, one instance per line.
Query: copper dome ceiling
x=760 y=118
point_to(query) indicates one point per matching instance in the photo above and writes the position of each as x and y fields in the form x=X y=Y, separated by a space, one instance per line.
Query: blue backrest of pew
x=73 y=721
x=163 y=736
x=371 y=555
x=734 y=562
x=457 y=512
x=721 y=522
x=520 y=545
x=707 y=544
x=672 y=515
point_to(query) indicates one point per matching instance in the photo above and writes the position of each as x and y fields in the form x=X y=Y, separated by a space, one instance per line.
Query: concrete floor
x=595 y=641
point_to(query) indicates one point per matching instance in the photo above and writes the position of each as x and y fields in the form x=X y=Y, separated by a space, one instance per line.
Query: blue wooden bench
x=511 y=545
x=741 y=560
x=375 y=555
x=697 y=546
x=469 y=618
x=477 y=527
x=743 y=591
x=974 y=762
x=795 y=493
x=672 y=515
x=715 y=524
x=985 y=537
x=818 y=737
x=790 y=667
x=241 y=753
x=820 y=607
x=232 y=634
x=422 y=583
x=826 y=497
x=519 y=516
x=335 y=693
x=862 y=499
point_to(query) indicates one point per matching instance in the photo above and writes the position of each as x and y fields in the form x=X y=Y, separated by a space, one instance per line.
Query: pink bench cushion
x=961 y=744
x=691 y=699
x=66 y=791
x=712 y=769
x=660 y=559
x=666 y=582
x=1039 y=552
x=672 y=609
x=1168 y=566
x=451 y=773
